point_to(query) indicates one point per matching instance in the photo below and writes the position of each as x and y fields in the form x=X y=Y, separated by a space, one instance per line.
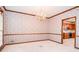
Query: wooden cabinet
x=67 y=35
x=68 y=30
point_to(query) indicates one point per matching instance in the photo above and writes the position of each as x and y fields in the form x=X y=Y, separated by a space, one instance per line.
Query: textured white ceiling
x=40 y=10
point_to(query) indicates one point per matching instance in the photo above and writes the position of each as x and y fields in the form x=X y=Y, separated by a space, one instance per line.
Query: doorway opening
x=69 y=32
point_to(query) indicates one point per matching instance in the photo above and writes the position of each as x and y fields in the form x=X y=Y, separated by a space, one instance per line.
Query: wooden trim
x=20 y=12
x=54 y=41
x=30 y=34
x=68 y=18
x=62 y=30
x=25 y=34
x=54 y=33
x=28 y=42
x=75 y=32
x=4 y=8
x=3 y=28
x=2 y=47
x=63 y=12
x=62 y=33
x=33 y=41
x=36 y=15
